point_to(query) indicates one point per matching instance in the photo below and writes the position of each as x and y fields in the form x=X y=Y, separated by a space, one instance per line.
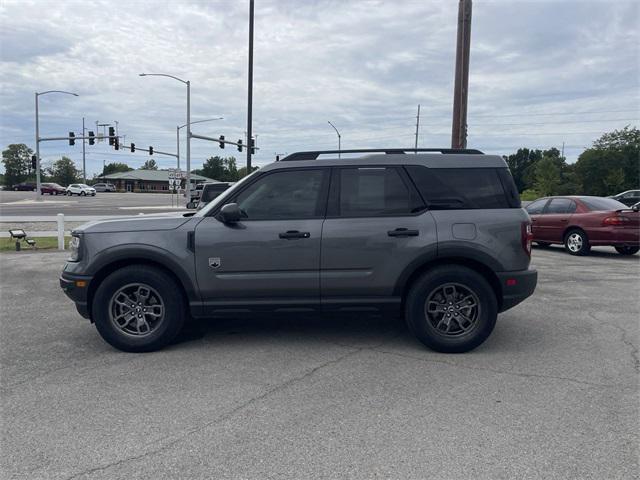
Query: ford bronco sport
x=436 y=233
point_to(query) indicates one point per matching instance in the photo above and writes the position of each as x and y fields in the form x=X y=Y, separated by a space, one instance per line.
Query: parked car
x=25 y=187
x=104 y=187
x=52 y=189
x=81 y=189
x=211 y=191
x=629 y=198
x=580 y=222
x=439 y=236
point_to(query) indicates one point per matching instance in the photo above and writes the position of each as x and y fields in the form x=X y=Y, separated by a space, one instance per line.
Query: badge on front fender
x=214 y=262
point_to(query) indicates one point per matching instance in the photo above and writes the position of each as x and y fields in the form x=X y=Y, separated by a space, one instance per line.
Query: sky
x=541 y=73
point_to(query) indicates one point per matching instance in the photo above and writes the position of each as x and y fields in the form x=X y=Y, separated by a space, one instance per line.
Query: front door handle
x=289 y=234
x=403 y=232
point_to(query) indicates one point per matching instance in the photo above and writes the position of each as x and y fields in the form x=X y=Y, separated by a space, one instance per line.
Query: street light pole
x=84 y=163
x=188 y=125
x=339 y=137
x=250 y=89
x=38 y=180
x=188 y=141
x=178 y=145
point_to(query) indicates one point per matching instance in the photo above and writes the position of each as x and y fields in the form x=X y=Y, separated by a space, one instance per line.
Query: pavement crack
x=633 y=349
x=221 y=418
x=501 y=372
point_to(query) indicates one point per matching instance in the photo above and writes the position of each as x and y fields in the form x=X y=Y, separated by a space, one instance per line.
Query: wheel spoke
x=452 y=309
x=136 y=309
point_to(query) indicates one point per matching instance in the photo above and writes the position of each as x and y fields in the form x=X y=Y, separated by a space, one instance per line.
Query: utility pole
x=250 y=87
x=178 y=145
x=417 y=127
x=562 y=154
x=463 y=47
x=84 y=163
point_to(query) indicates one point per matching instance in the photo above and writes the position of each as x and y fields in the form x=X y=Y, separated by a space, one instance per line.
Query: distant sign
x=174 y=173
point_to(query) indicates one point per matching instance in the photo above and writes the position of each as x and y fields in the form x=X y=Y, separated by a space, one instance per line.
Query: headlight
x=74 y=249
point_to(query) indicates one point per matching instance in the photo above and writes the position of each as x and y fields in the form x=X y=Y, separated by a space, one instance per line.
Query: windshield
x=221 y=198
x=599 y=203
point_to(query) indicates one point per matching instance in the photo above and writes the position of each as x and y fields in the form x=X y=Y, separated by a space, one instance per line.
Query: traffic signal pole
x=84 y=163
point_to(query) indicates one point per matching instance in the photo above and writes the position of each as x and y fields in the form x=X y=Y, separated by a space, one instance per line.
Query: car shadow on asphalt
x=345 y=330
x=596 y=252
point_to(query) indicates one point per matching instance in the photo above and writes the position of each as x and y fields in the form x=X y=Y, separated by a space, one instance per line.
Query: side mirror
x=230 y=213
x=636 y=207
x=191 y=205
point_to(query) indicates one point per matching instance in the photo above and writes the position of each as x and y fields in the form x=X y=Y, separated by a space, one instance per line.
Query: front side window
x=294 y=194
x=372 y=191
x=561 y=205
x=460 y=188
x=536 y=207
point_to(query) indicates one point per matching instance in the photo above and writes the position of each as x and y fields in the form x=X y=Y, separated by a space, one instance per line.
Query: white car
x=81 y=189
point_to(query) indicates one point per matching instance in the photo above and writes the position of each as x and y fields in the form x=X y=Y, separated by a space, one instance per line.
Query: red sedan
x=582 y=222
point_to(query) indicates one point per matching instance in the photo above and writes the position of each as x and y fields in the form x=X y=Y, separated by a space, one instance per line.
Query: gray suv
x=438 y=234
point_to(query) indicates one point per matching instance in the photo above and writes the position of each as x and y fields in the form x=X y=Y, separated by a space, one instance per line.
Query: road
x=25 y=204
x=552 y=394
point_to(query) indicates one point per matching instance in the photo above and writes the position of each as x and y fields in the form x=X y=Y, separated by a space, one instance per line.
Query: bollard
x=60 y=231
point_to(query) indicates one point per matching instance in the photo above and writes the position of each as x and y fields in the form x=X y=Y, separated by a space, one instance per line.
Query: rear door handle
x=403 y=232
x=289 y=234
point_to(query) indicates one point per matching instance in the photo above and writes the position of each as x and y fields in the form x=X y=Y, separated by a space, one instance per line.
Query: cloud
x=364 y=65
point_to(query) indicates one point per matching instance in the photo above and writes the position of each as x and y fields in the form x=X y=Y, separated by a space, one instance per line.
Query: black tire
x=425 y=326
x=82 y=194
x=627 y=250
x=543 y=244
x=576 y=242
x=165 y=287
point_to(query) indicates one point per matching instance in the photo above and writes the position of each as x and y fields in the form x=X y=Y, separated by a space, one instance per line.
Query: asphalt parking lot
x=552 y=394
x=104 y=203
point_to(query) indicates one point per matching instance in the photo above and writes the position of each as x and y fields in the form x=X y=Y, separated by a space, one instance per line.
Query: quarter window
x=283 y=195
x=459 y=188
x=372 y=191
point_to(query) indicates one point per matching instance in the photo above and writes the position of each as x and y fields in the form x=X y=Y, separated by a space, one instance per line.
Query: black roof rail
x=313 y=155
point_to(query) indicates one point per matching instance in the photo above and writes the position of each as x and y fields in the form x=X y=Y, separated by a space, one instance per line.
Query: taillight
x=616 y=220
x=527 y=237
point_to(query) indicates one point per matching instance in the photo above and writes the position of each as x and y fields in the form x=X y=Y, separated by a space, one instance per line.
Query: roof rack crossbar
x=313 y=155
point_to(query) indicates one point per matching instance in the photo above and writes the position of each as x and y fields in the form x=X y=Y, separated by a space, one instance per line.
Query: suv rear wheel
x=138 y=309
x=451 y=309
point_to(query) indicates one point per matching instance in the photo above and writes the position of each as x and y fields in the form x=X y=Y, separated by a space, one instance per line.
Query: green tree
x=242 y=171
x=149 y=165
x=522 y=166
x=64 y=171
x=547 y=174
x=116 y=167
x=598 y=168
x=219 y=168
x=17 y=163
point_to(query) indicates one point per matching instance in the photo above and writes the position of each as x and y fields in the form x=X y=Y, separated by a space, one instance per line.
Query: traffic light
x=112 y=136
x=150 y=150
x=72 y=140
x=92 y=139
x=34 y=161
x=116 y=144
x=252 y=142
x=240 y=145
x=133 y=147
x=221 y=141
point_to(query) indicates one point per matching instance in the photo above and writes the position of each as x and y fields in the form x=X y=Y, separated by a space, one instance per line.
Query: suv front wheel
x=451 y=309
x=138 y=308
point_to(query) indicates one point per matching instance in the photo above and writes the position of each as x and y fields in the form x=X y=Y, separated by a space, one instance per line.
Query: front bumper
x=516 y=286
x=76 y=287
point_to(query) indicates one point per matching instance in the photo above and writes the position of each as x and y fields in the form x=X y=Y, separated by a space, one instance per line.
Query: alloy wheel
x=452 y=309
x=575 y=242
x=136 y=309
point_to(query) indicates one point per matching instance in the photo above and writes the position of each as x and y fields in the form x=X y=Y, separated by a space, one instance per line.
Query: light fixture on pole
x=38 y=184
x=188 y=125
x=339 y=137
x=192 y=123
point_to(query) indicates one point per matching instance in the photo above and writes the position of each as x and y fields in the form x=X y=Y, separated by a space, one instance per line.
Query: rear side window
x=461 y=188
x=561 y=205
x=601 y=204
x=536 y=207
x=370 y=192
